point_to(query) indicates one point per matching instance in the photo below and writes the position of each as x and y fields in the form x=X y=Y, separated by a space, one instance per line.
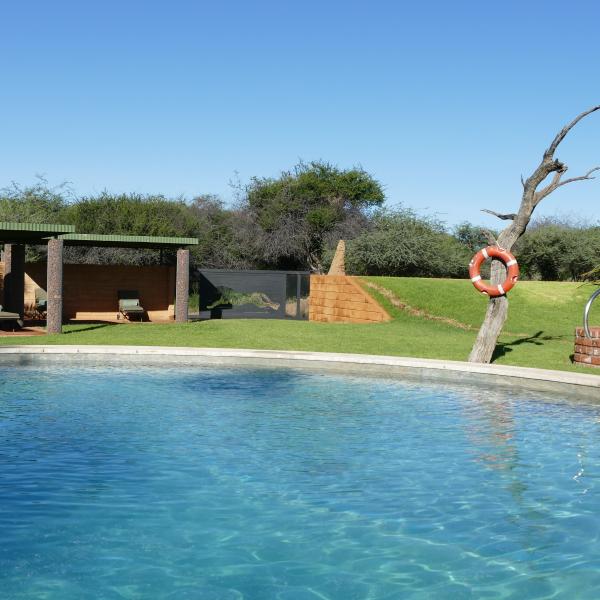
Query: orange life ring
x=493 y=291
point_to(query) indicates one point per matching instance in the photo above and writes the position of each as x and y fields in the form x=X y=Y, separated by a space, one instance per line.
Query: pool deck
x=482 y=375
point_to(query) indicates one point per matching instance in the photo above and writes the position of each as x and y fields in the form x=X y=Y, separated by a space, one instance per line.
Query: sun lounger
x=41 y=303
x=129 y=305
x=8 y=317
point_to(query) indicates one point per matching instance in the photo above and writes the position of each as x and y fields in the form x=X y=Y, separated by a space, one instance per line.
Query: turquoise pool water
x=227 y=484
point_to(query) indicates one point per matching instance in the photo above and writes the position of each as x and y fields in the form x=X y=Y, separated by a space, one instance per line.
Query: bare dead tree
x=497 y=309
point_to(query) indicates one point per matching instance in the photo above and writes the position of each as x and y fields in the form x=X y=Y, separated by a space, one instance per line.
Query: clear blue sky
x=446 y=103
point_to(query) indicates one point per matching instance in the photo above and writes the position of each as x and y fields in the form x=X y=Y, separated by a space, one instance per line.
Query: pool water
x=212 y=483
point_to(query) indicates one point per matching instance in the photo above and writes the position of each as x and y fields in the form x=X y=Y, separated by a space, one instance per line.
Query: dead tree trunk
x=497 y=310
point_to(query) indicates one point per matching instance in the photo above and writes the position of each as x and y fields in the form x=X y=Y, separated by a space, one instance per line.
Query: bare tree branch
x=504 y=217
x=560 y=136
x=491 y=238
x=581 y=178
x=556 y=183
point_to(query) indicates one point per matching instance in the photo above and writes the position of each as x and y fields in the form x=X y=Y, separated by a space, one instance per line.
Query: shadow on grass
x=90 y=327
x=537 y=339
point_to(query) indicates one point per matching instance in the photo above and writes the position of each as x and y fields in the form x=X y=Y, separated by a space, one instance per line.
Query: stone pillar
x=182 y=285
x=55 y=287
x=14 y=278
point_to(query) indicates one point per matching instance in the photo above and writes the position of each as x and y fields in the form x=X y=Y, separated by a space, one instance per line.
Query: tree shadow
x=537 y=339
x=90 y=327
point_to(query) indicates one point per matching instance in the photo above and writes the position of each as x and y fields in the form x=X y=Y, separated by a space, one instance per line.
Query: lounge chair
x=8 y=317
x=129 y=305
x=41 y=303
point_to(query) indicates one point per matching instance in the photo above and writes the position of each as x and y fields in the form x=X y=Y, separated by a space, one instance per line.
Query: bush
x=34 y=204
x=557 y=252
x=401 y=243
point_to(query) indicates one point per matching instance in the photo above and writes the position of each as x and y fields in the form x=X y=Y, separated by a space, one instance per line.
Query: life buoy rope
x=493 y=291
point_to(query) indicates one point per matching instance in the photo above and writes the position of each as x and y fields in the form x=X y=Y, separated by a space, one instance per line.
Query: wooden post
x=14 y=278
x=55 y=286
x=182 y=285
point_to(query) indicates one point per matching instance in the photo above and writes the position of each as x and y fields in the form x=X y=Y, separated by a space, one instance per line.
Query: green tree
x=471 y=236
x=297 y=213
x=225 y=236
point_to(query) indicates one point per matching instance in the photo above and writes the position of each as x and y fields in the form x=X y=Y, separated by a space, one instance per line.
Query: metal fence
x=226 y=294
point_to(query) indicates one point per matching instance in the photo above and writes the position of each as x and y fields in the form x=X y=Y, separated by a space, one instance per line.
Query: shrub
x=558 y=252
x=403 y=244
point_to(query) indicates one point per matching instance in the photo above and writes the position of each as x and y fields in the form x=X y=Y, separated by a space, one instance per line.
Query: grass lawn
x=539 y=331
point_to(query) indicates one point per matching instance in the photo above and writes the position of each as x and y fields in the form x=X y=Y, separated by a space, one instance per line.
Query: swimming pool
x=226 y=483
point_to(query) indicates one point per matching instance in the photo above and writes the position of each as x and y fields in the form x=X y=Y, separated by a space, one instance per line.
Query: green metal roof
x=38 y=233
x=30 y=233
x=126 y=241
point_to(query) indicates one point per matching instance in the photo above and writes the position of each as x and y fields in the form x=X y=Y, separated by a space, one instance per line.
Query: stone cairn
x=338 y=264
x=587 y=350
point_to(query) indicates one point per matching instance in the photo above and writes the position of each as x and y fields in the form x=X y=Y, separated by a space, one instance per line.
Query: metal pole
x=586 y=313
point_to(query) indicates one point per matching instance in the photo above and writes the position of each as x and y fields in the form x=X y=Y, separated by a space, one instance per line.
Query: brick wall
x=336 y=298
x=587 y=351
x=90 y=291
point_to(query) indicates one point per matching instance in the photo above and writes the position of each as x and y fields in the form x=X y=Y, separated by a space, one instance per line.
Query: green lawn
x=539 y=332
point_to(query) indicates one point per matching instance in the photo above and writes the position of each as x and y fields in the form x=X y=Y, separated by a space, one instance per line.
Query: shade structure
x=57 y=236
x=126 y=241
x=31 y=233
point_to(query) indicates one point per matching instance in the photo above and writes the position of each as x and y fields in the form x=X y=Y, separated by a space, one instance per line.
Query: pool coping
x=422 y=368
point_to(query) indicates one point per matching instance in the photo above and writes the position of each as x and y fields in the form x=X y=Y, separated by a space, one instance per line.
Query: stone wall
x=340 y=298
x=90 y=291
x=587 y=351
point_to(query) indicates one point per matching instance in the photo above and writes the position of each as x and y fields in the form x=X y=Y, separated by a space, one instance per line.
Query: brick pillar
x=182 y=285
x=55 y=286
x=14 y=278
x=587 y=350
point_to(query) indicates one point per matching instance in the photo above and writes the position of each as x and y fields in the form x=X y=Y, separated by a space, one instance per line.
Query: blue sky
x=446 y=103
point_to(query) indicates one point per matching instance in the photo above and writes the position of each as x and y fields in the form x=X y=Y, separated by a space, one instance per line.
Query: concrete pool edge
x=421 y=368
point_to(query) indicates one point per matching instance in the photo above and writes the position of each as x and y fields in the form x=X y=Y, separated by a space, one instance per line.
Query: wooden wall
x=90 y=291
x=341 y=298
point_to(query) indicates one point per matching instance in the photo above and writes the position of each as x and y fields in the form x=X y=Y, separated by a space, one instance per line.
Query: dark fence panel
x=225 y=294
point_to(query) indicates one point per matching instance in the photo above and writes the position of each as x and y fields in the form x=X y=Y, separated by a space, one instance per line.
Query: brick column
x=55 y=286
x=182 y=285
x=587 y=350
x=14 y=278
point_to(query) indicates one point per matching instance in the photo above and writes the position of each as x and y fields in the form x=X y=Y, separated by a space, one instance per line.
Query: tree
x=470 y=236
x=296 y=212
x=225 y=236
x=497 y=310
